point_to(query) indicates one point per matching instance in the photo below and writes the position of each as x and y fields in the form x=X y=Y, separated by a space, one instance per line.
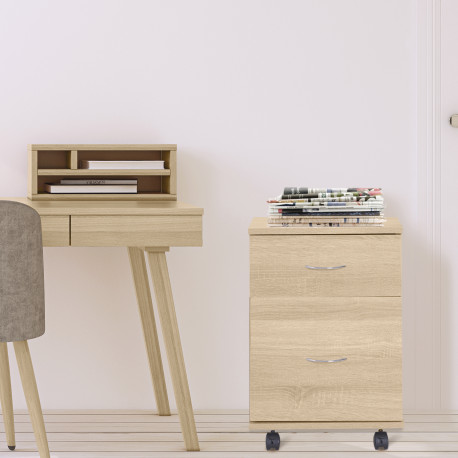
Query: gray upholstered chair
x=22 y=310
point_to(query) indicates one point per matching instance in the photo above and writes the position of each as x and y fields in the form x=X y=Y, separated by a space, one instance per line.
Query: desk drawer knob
x=326 y=360
x=325 y=268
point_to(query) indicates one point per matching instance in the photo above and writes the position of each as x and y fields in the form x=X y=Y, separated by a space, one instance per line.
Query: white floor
x=222 y=434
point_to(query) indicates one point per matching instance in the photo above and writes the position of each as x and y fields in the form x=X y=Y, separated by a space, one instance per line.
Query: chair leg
x=29 y=385
x=6 y=396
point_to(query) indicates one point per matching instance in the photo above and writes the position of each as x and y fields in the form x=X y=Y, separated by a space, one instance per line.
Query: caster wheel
x=272 y=441
x=380 y=440
x=11 y=447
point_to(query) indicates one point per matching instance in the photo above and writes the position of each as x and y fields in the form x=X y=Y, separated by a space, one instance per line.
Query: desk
x=141 y=226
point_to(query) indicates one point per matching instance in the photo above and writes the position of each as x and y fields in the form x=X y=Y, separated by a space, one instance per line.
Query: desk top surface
x=259 y=226
x=127 y=208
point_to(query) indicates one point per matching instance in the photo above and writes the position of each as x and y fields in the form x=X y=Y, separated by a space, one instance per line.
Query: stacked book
x=122 y=165
x=330 y=207
x=92 y=186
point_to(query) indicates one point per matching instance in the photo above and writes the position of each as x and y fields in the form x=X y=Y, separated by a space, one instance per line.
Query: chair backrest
x=22 y=303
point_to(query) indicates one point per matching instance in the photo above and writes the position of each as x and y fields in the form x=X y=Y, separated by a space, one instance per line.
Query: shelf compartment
x=119 y=155
x=55 y=159
x=145 y=184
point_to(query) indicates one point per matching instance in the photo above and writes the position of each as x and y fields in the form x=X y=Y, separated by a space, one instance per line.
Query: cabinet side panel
x=32 y=173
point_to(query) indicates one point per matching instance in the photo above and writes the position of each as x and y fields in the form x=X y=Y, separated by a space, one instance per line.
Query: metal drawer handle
x=325 y=360
x=325 y=268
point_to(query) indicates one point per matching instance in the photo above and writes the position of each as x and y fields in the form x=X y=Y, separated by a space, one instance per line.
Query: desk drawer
x=55 y=230
x=285 y=386
x=372 y=265
x=136 y=231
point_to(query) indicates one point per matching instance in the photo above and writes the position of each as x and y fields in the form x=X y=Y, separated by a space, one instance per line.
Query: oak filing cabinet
x=325 y=329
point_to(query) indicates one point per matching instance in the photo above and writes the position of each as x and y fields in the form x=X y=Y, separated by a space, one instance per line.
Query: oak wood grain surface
x=136 y=230
x=55 y=230
x=98 y=207
x=372 y=265
x=285 y=386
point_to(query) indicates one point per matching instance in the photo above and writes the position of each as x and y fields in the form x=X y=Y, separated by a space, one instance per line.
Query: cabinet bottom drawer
x=325 y=359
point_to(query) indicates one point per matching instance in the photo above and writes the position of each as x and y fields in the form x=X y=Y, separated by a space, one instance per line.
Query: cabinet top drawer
x=318 y=265
x=259 y=226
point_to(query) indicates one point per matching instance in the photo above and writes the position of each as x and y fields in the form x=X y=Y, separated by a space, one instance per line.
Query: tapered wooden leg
x=145 y=307
x=167 y=315
x=6 y=396
x=29 y=385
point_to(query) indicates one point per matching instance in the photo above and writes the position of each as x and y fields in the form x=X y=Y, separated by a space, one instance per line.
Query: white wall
x=258 y=95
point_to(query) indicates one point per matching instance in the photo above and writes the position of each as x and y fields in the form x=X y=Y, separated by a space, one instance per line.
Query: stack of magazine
x=327 y=207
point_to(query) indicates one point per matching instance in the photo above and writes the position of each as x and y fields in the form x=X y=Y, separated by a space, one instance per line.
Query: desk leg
x=6 y=396
x=167 y=315
x=145 y=307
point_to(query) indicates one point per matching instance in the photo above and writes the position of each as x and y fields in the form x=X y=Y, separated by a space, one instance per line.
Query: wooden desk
x=141 y=226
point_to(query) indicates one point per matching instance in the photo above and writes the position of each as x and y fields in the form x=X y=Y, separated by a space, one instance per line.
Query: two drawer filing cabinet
x=325 y=329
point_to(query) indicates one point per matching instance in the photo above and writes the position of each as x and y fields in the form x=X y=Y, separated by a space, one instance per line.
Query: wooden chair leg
x=6 y=396
x=167 y=315
x=29 y=385
x=145 y=307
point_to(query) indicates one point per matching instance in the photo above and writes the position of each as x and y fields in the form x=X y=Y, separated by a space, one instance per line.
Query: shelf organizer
x=50 y=163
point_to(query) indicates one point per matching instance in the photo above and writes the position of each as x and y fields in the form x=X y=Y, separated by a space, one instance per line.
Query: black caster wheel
x=380 y=440
x=272 y=441
x=11 y=447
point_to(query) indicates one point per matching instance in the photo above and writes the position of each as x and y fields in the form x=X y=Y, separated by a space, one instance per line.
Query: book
x=317 y=215
x=55 y=188
x=306 y=190
x=324 y=211
x=327 y=208
x=325 y=195
x=281 y=199
x=325 y=219
x=326 y=225
x=98 y=182
x=327 y=203
x=122 y=165
x=334 y=216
